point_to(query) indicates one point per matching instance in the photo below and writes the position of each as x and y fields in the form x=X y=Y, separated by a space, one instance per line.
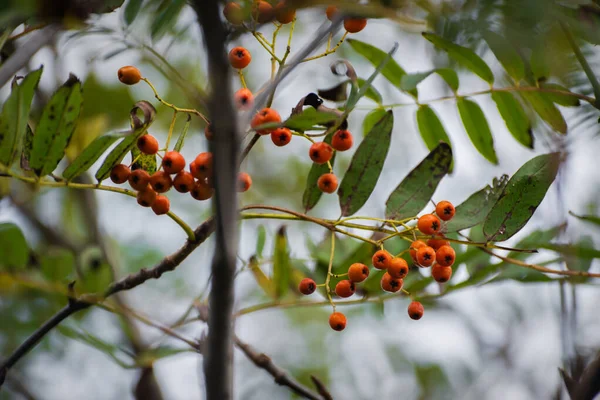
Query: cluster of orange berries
x=437 y=252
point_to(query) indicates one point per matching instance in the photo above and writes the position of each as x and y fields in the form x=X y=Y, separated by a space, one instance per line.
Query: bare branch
x=321 y=388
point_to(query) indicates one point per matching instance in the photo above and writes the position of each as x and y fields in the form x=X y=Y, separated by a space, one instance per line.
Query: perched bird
x=316 y=102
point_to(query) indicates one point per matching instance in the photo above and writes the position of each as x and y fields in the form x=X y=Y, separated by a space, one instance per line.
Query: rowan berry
x=331 y=11
x=390 y=284
x=173 y=162
x=208 y=132
x=437 y=243
x=201 y=191
x=244 y=182
x=161 y=181
x=239 y=57
x=328 y=183
x=429 y=224
x=281 y=136
x=445 y=210
x=415 y=310
x=381 y=259
x=262 y=11
x=183 y=182
x=146 y=197
x=355 y=25
x=398 y=268
x=440 y=273
x=139 y=179
x=342 y=140
x=345 y=288
x=202 y=166
x=307 y=286
x=265 y=116
x=233 y=13
x=445 y=256
x=425 y=256
x=161 y=205
x=358 y=272
x=416 y=245
x=320 y=152
x=147 y=144
x=337 y=321
x=120 y=173
x=284 y=13
x=243 y=99
x=129 y=75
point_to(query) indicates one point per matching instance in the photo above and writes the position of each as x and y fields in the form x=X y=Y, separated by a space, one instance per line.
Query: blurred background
x=503 y=338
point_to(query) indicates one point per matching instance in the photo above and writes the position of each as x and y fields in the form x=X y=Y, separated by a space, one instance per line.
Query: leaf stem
x=174 y=107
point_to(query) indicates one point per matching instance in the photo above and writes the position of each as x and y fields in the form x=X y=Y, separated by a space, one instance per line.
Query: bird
x=313 y=100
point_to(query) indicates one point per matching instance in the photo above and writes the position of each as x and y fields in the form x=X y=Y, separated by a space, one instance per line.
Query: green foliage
x=564 y=100
x=281 y=264
x=431 y=129
x=261 y=234
x=410 y=81
x=181 y=138
x=312 y=194
x=13 y=248
x=132 y=10
x=57 y=264
x=91 y=154
x=146 y=162
x=477 y=128
x=545 y=108
x=166 y=19
x=371 y=119
x=364 y=170
x=506 y=54
x=514 y=116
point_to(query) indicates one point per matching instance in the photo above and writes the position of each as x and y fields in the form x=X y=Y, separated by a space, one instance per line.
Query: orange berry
x=233 y=13
x=147 y=144
x=440 y=273
x=183 y=182
x=320 y=152
x=265 y=116
x=146 y=197
x=161 y=205
x=381 y=259
x=307 y=286
x=416 y=245
x=354 y=25
x=337 y=321
x=331 y=11
x=445 y=256
x=390 y=284
x=342 y=140
x=398 y=268
x=415 y=310
x=129 y=75
x=173 y=162
x=201 y=191
x=445 y=210
x=281 y=136
x=202 y=165
x=161 y=181
x=437 y=243
x=284 y=13
x=429 y=224
x=208 y=132
x=262 y=11
x=139 y=179
x=243 y=99
x=244 y=182
x=239 y=57
x=425 y=256
x=328 y=183
x=358 y=272
x=345 y=288
x=120 y=173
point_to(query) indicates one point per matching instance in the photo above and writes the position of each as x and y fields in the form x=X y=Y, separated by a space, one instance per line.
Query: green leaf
x=139 y=128
x=545 y=108
x=132 y=9
x=431 y=129
x=281 y=263
x=56 y=127
x=475 y=209
x=410 y=81
x=580 y=251
x=308 y=118
x=266 y=284
x=462 y=55
x=147 y=357
x=15 y=114
x=13 y=248
x=371 y=119
x=181 y=138
x=577 y=261
x=146 y=162
x=523 y=194
x=166 y=19
x=366 y=165
x=519 y=274
x=91 y=154
x=371 y=92
x=27 y=145
x=477 y=128
x=592 y=219
x=506 y=54
x=416 y=189
x=312 y=194
x=560 y=99
x=85 y=337
x=515 y=117
x=392 y=71
x=260 y=241
x=57 y=264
